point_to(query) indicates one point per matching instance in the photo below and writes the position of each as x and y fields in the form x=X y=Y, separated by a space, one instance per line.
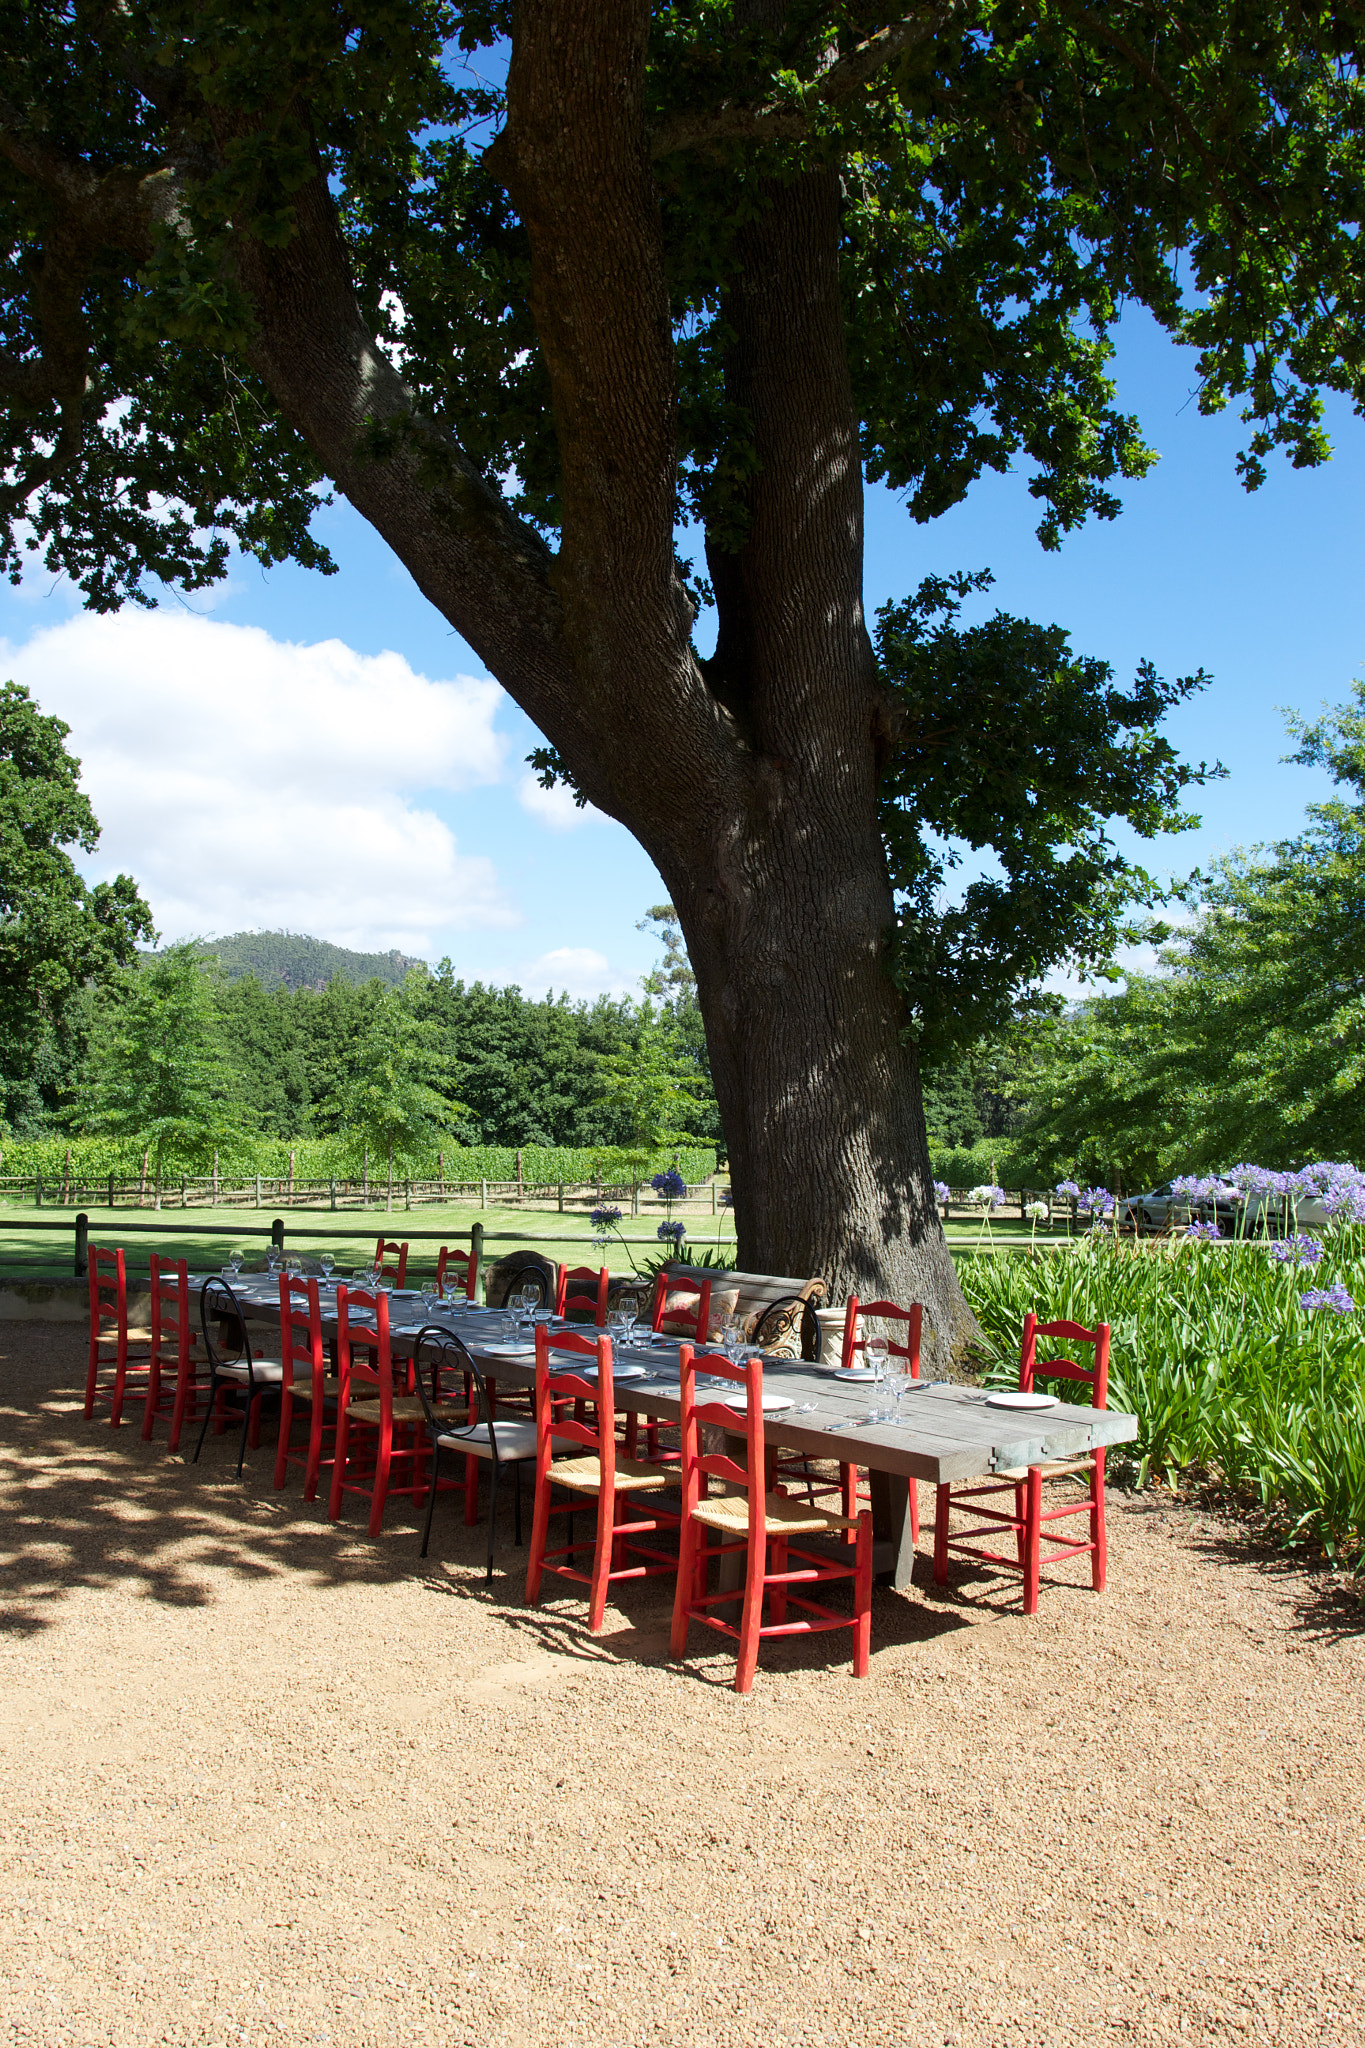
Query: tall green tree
x=715 y=260
x=56 y=932
x=1251 y=1043
x=389 y=1104
x=154 y=1069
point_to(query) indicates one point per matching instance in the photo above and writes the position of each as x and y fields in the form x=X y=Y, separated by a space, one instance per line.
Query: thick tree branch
x=785 y=119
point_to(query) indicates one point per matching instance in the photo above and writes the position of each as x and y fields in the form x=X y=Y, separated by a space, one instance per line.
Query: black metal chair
x=497 y=1440
x=230 y=1363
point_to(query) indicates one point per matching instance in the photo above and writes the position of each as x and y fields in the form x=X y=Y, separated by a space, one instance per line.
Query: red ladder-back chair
x=304 y=1385
x=112 y=1342
x=599 y=1471
x=175 y=1351
x=890 y=1312
x=762 y=1526
x=1027 y=1519
x=697 y=1318
x=466 y=1265
x=590 y=1299
x=376 y=1427
x=398 y=1272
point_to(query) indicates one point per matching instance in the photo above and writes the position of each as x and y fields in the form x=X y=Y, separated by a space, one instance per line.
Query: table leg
x=891 y=1524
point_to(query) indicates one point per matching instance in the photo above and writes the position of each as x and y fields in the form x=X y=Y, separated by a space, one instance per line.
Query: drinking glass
x=293 y=1265
x=272 y=1259
x=874 y=1351
x=430 y=1299
x=235 y=1260
x=326 y=1261
x=897 y=1380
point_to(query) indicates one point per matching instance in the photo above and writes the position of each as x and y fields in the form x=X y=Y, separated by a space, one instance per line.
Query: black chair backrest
x=445 y=1348
x=220 y=1305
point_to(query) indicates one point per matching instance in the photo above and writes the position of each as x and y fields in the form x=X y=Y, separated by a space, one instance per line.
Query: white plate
x=773 y=1404
x=1021 y=1400
x=618 y=1372
x=854 y=1372
x=509 y=1350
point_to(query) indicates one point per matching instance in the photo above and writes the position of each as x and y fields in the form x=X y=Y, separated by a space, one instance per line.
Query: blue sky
x=324 y=752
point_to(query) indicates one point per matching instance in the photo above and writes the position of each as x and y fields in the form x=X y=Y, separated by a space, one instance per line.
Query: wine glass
x=326 y=1261
x=235 y=1260
x=897 y=1380
x=874 y=1351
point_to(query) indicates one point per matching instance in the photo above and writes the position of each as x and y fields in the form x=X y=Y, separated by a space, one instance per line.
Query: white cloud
x=246 y=781
x=555 y=807
x=579 y=970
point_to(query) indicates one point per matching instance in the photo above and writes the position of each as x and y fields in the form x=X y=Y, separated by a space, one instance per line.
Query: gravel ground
x=267 y=1782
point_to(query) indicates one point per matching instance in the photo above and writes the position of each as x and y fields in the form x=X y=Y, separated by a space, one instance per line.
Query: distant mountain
x=300 y=962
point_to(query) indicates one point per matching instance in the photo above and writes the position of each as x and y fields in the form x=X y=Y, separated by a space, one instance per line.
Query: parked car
x=1161 y=1207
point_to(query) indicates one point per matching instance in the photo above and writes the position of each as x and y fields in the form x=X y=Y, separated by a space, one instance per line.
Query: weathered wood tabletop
x=946 y=1432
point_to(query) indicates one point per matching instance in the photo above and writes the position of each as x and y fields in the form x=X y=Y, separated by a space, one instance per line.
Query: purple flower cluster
x=1205 y=1232
x=1205 y=1188
x=1336 y=1298
x=1339 y=1186
x=1095 y=1202
x=1067 y=1187
x=942 y=1191
x=605 y=1218
x=727 y=1198
x=1296 y=1251
x=986 y=1196
x=672 y=1233
x=670 y=1185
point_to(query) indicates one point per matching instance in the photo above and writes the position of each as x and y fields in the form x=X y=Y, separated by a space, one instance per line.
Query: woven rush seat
x=1019 y=1473
x=404 y=1407
x=303 y=1389
x=585 y=1474
x=781 y=1516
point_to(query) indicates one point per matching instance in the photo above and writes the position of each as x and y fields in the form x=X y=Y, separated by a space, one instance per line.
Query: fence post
x=184 y=1191
x=82 y=1245
x=37 y=1191
x=215 y=1176
x=518 y=1173
x=334 y=1191
x=66 y=1178
x=258 y=1191
x=476 y=1253
x=277 y=1233
x=561 y=1198
x=441 y=1174
x=142 y=1184
x=713 y=1194
x=635 y=1198
x=111 y=1191
x=407 y=1194
x=365 y=1179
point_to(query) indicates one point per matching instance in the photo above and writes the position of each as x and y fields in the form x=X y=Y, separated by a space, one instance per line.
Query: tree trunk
x=750 y=779
x=388 y=1206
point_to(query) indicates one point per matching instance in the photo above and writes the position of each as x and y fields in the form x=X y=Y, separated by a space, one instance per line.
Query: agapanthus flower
x=1096 y=1202
x=605 y=1218
x=1204 y=1232
x=987 y=1197
x=1296 y=1251
x=1336 y=1298
x=727 y=1198
x=1037 y=1210
x=670 y=1185
x=1067 y=1188
x=672 y=1233
x=942 y=1191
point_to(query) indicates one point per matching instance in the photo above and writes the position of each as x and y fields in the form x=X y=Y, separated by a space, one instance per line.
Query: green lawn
x=42 y=1241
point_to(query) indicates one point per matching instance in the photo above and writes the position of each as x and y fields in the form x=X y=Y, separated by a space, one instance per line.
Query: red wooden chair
x=890 y=1312
x=304 y=1383
x=376 y=1426
x=590 y=1300
x=600 y=1471
x=112 y=1342
x=469 y=1261
x=1027 y=1519
x=397 y=1272
x=175 y=1351
x=762 y=1527
x=672 y=1306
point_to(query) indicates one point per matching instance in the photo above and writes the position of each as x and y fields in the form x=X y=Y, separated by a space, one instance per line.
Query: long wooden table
x=947 y=1432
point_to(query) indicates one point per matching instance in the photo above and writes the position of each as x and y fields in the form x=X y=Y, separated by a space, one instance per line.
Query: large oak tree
x=538 y=288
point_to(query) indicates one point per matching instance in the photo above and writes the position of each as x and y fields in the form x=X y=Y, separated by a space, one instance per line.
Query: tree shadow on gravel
x=88 y=1506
